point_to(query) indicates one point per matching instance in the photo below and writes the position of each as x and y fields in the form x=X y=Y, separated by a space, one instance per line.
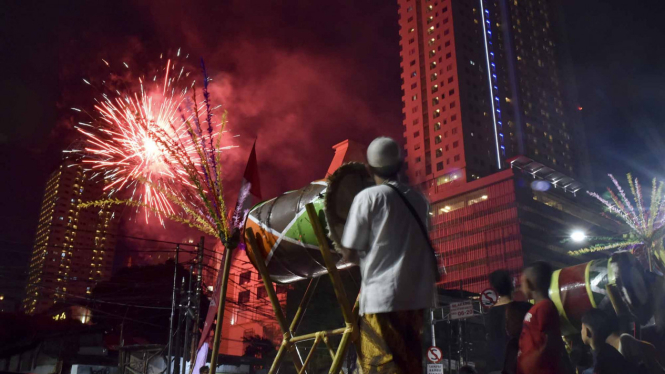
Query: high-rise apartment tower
x=481 y=84
x=74 y=247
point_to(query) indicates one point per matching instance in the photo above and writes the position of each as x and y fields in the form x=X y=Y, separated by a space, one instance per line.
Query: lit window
x=414 y=97
x=437 y=139
x=439 y=152
x=412 y=30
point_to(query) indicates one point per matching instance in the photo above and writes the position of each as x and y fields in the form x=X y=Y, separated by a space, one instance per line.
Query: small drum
x=283 y=231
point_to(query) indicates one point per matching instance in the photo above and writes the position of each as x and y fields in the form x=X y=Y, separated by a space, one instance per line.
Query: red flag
x=250 y=190
x=249 y=194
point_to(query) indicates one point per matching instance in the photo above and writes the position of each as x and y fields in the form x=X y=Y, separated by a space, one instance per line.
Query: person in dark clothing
x=515 y=312
x=640 y=353
x=596 y=328
x=496 y=321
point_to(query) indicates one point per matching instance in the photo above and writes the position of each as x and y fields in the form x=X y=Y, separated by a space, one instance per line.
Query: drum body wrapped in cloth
x=608 y=284
x=284 y=234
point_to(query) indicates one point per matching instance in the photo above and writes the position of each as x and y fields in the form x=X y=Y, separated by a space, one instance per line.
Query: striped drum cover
x=576 y=289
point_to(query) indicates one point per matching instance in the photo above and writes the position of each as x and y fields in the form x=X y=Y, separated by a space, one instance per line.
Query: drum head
x=633 y=285
x=343 y=185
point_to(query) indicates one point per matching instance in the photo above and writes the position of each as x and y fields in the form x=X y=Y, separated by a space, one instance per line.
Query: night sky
x=300 y=77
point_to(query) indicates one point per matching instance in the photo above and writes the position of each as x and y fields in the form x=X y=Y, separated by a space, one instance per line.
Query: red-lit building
x=482 y=84
x=509 y=219
x=74 y=247
x=248 y=312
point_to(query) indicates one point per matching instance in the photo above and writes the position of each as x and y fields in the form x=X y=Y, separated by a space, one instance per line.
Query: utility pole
x=187 y=343
x=175 y=283
x=178 y=336
x=197 y=302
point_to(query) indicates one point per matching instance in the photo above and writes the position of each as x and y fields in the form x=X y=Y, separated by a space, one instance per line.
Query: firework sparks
x=163 y=146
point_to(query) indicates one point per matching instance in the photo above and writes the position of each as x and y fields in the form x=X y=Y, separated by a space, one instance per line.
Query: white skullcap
x=384 y=152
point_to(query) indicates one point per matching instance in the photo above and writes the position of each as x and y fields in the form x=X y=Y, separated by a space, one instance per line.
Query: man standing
x=385 y=234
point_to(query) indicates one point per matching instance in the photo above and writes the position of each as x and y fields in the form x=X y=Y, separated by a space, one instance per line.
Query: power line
x=102 y=301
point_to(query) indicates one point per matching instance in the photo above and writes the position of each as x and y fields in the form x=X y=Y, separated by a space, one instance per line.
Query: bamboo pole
x=220 y=309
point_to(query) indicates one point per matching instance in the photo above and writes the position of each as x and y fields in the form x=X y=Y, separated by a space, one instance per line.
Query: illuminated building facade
x=74 y=247
x=482 y=87
x=481 y=84
x=248 y=312
x=512 y=218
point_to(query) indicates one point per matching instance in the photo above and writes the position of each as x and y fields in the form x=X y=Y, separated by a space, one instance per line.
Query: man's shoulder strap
x=423 y=229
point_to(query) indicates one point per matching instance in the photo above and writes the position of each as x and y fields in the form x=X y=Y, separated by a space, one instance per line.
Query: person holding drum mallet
x=386 y=235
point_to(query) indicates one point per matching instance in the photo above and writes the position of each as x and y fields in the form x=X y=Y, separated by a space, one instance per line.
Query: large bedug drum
x=283 y=231
x=576 y=289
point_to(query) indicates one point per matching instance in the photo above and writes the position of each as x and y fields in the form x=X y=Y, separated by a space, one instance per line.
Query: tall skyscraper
x=74 y=247
x=481 y=84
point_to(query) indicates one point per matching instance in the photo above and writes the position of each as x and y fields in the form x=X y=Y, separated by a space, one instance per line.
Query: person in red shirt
x=541 y=348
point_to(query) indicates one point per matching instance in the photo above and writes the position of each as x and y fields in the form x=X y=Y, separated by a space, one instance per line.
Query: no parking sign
x=488 y=297
x=434 y=355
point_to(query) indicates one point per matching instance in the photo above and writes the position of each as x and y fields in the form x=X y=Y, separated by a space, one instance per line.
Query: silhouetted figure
x=596 y=328
x=496 y=322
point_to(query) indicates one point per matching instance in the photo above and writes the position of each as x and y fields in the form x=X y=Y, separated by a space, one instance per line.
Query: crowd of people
x=525 y=338
x=386 y=235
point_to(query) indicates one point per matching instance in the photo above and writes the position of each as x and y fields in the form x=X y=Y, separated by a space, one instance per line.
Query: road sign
x=434 y=355
x=488 y=297
x=434 y=369
x=462 y=309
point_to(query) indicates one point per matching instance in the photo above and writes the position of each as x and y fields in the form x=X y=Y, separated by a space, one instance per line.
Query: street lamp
x=578 y=236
